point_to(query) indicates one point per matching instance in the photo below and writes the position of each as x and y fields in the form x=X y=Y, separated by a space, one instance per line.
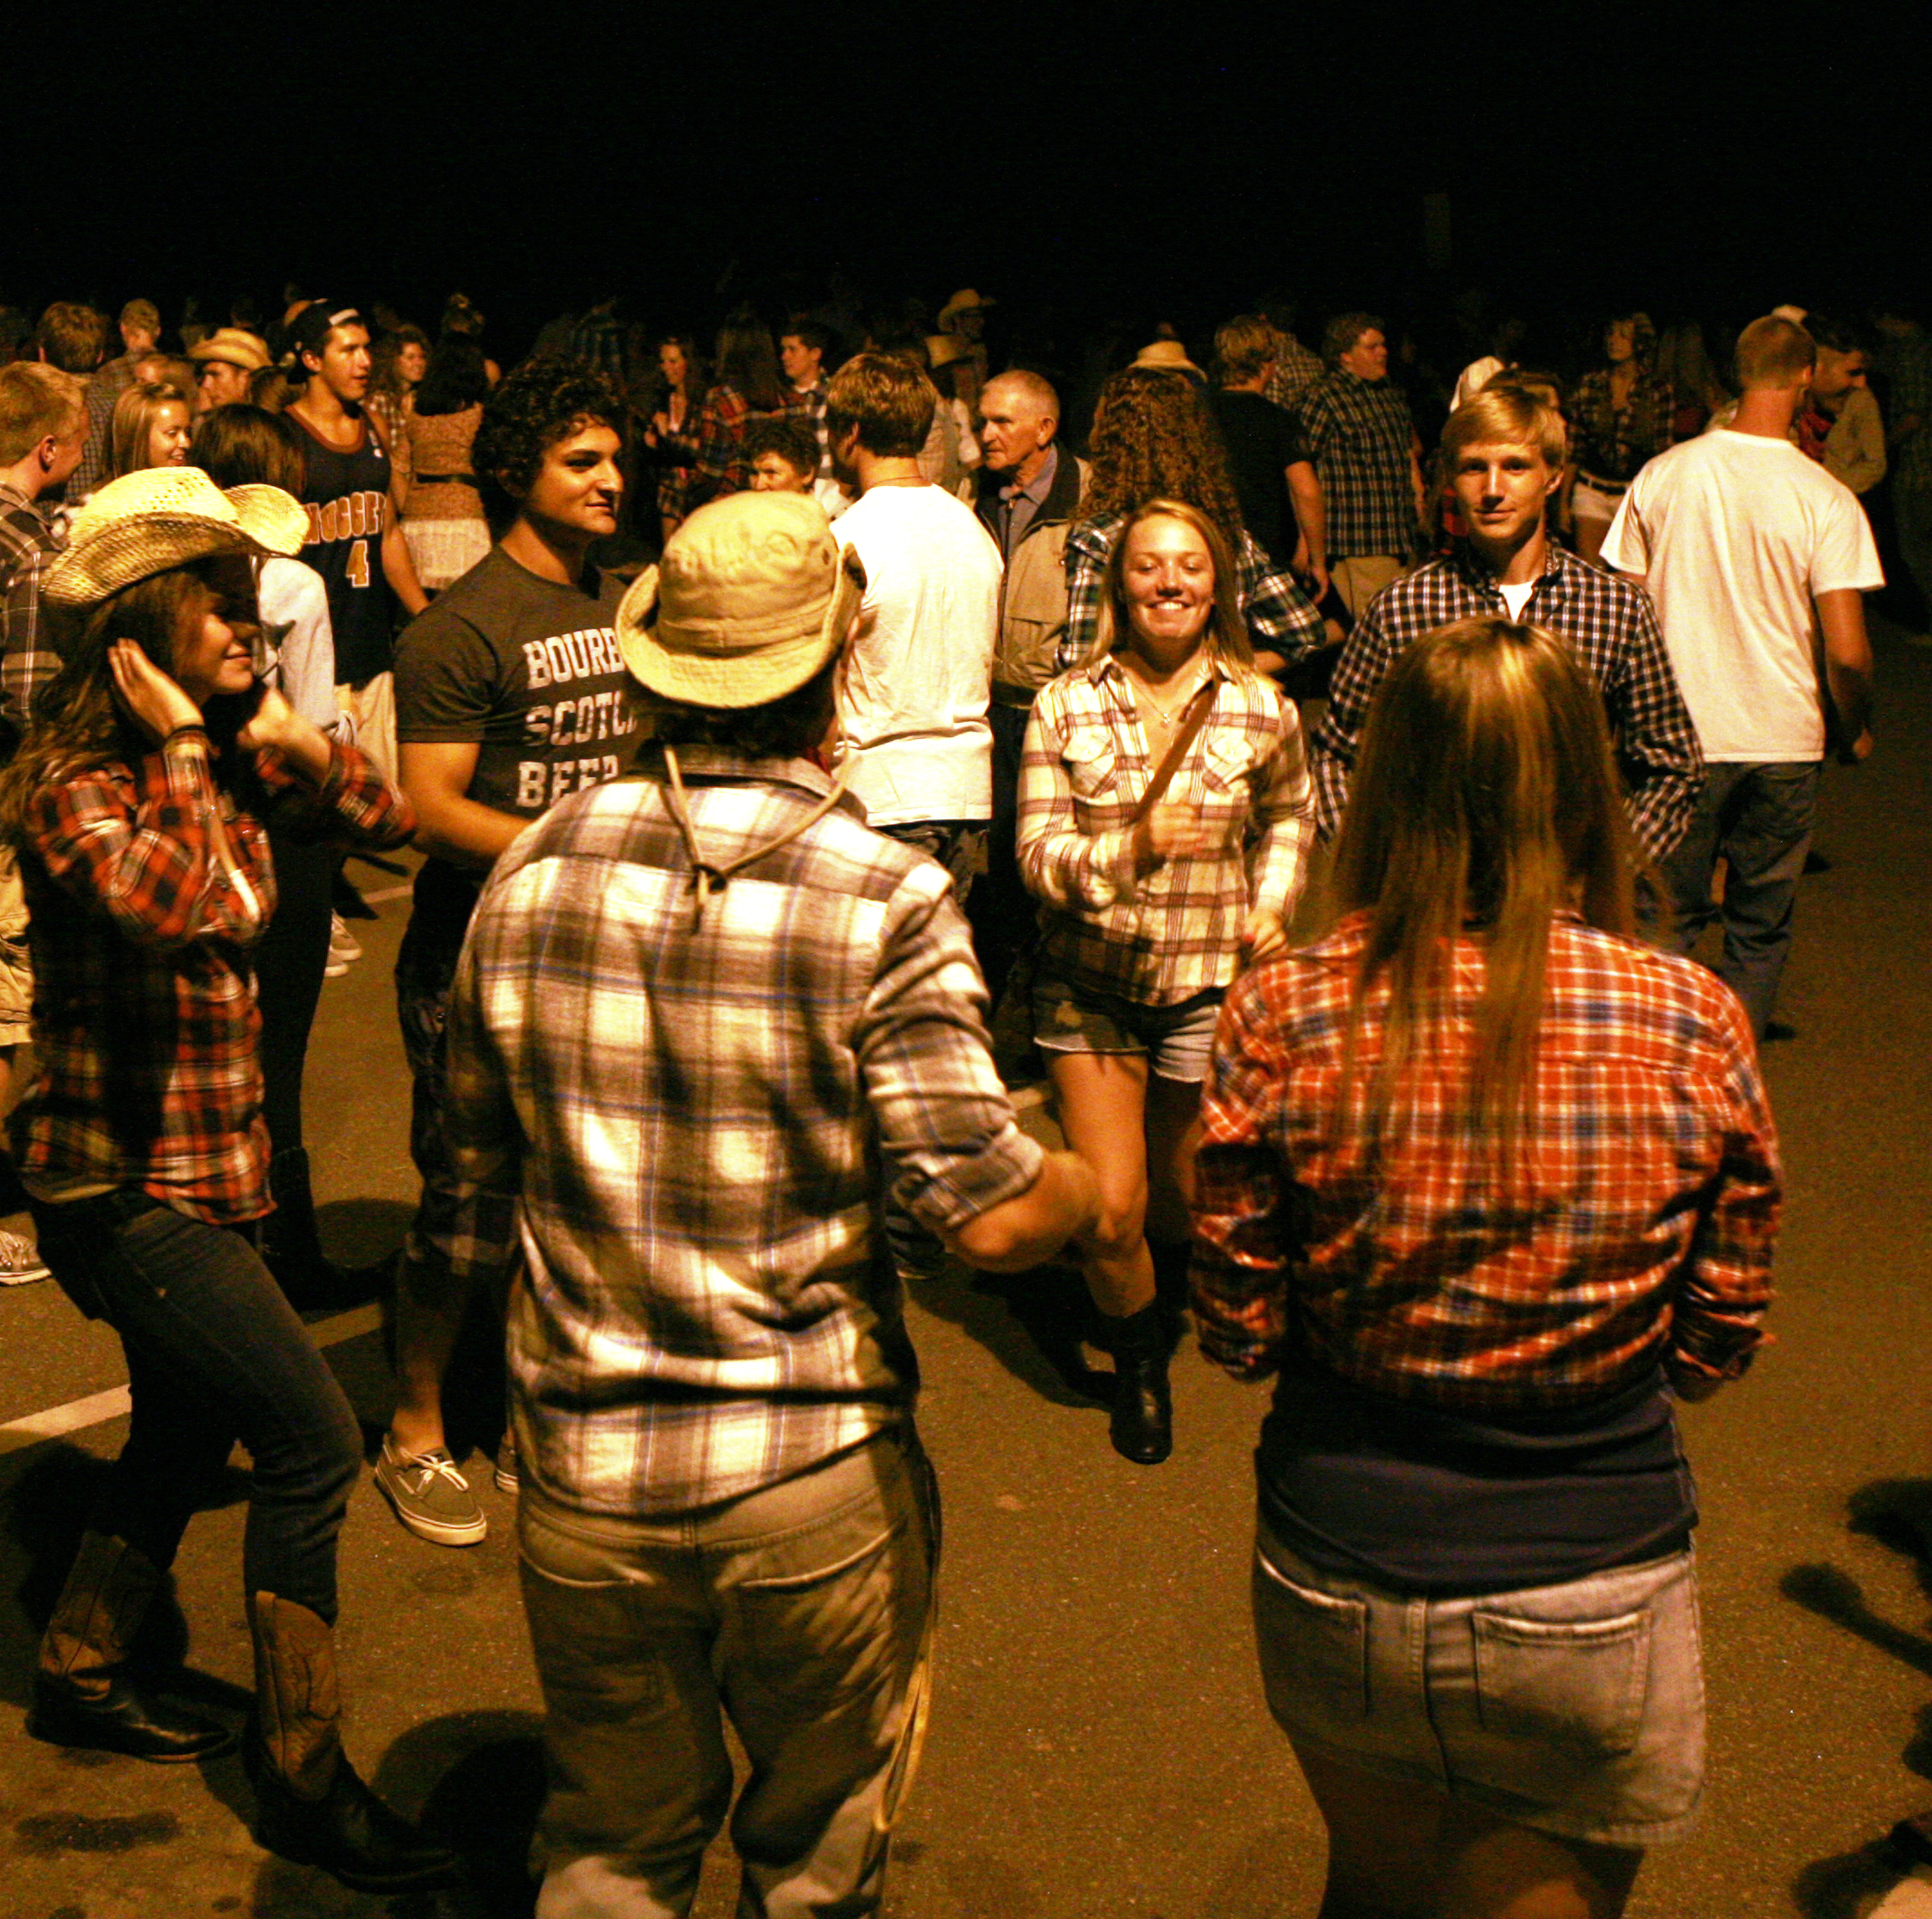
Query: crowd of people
x=1316 y=782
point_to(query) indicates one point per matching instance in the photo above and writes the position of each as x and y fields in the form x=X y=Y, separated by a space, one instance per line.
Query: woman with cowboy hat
x=138 y=801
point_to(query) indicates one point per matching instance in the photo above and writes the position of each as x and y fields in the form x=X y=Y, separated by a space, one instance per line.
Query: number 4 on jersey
x=359 y=564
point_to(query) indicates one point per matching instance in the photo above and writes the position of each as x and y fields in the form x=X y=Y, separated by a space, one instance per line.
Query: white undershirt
x=1515 y=598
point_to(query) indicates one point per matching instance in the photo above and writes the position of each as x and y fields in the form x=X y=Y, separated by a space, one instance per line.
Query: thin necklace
x=1168 y=715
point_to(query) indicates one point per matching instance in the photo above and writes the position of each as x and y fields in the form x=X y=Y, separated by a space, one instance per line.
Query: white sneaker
x=344 y=945
x=19 y=1265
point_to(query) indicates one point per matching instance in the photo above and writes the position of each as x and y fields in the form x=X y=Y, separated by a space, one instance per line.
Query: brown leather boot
x=82 y=1694
x=310 y=1805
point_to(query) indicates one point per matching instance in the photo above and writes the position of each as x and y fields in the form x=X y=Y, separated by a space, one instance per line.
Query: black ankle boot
x=1143 y=1426
x=348 y=1832
x=123 y=1719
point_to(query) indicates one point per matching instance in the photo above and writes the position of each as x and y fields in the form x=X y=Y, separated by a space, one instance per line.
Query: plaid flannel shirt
x=721 y=465
x=1295 y=369
x=1608 y=441
x=1361 y=436
x=1637 y=1225
x=1608 y=622
x=1280 y=617
x=27 y=541
x=1161 y=937
x=687 y=1117
x=141 y=920
x=808 y=403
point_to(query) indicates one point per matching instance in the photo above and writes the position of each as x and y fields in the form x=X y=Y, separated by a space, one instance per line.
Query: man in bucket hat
x=704 y=1016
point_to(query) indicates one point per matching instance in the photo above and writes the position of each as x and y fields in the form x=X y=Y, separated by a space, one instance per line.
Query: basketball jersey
x=345 y=494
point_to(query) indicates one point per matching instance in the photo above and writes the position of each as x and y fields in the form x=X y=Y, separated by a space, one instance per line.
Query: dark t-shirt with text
x=527 y=669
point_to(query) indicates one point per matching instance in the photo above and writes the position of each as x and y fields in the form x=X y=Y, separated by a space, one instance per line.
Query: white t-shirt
x=1516 y=598
x=918 y=678
x=1735 y=535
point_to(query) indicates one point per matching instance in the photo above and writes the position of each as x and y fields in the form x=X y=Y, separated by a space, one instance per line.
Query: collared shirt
x=1613 y=442
x=1638 y=1221
x=27 y=541
x=722 y=467
x=1362 y=439
x=808 y=403
x=1608 y=622
x=1020 y=506
x=1295 y=369
x=687 y=1121
x=103 y=389
x=142 y=916
x=1159 y=937
x=1280 y=617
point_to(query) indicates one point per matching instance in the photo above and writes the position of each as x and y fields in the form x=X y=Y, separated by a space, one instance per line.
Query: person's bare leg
x=1173 y=1134
x=430 y=1306
x=1381 y=1840
x=1491 y=1869
x=1102 y=1098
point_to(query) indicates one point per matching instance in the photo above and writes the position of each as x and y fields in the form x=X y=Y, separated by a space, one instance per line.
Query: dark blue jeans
x=1758 y=818
x=215 y=1354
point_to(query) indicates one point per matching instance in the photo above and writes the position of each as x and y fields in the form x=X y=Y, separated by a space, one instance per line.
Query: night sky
x=1173 y=169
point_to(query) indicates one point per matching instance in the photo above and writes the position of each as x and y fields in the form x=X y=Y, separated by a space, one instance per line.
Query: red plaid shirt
x=146 y=1028
x=1645 y=1201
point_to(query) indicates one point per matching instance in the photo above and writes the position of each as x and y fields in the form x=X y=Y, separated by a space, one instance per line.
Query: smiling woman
x=1152 y=904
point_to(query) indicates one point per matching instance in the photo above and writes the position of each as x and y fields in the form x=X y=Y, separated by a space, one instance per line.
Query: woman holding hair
x=151 y=425
x=1154 y=438
x=1486 y=1183
x=138 y=801
x=1165 y=817
x=1620 y=415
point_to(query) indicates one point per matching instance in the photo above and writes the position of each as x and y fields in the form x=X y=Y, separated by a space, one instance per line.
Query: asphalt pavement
x=1099 y=1744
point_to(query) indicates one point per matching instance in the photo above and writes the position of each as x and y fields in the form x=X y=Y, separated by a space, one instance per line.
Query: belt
x=1612 y=487
x=1007 y=696
x=447 y=480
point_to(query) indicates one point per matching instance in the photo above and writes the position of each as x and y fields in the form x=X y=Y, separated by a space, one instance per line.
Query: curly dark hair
x=543 y=401
x=1155 y=439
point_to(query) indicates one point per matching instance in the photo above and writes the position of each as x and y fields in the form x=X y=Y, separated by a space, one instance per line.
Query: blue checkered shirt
x=1362 y=439
x=1608 y=622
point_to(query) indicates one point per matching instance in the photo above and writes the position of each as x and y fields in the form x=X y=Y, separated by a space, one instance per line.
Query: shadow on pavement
x=361 y=1232
x=474 y=1781
x=1898 y=1514
x=1032 y=1323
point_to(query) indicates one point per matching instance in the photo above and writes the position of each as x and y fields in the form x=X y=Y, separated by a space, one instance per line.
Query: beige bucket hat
x=165 y=517
x=751 y=597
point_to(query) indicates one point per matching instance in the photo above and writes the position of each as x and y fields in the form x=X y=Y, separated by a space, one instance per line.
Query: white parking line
x=389 y=893
x=98 y=1408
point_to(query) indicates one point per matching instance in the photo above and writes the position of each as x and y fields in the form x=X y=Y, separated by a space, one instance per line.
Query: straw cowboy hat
x=233 y=347
x=165 y=517
x=751 y=597
x=1168 y=356
x=967 y=300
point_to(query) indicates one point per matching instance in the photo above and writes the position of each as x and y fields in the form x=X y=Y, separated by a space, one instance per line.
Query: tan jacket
x=1033 y=594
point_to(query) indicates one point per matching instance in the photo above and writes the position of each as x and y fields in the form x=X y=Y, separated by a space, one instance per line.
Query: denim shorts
x=1174 y=1040
x=1576 y=1708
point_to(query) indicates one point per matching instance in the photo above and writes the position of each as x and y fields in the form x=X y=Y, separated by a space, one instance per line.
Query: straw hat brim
x=699 y=667
x=267 y=524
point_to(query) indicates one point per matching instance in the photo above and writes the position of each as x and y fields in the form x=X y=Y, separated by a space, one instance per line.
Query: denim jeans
x=1576 y=1708
x=1758 y=818
x=802 y=1612
x=215 y=1354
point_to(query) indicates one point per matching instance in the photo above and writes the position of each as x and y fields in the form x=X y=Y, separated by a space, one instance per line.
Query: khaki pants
x=371 y=705
x=803 y=1612
x=1361 y=578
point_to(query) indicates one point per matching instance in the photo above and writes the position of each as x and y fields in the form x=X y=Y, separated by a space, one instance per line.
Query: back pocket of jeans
x=837 y=1631
x=1579 y=1685
x=1313 y=1650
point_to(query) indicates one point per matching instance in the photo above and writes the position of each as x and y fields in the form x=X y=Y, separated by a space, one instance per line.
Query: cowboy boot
x=82 y=1694
x=1143 y=1426
x=310 y=1805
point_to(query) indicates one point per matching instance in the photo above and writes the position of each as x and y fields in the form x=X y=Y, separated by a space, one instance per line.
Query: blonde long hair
x=1485 y=797
x=1225 y=640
